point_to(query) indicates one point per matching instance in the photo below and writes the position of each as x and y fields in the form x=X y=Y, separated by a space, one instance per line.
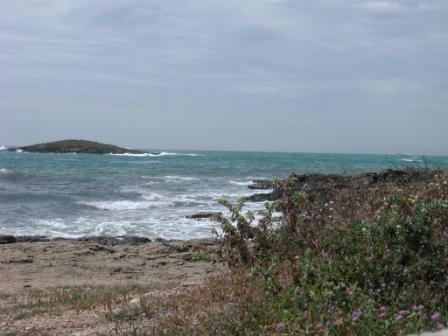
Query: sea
x=74 y=195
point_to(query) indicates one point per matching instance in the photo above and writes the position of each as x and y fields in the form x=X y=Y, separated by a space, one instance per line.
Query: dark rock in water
x=261 y=184
x=274 y=195
x=6 y=239
x=325 y=187
x=78 y=146
x=204 y=215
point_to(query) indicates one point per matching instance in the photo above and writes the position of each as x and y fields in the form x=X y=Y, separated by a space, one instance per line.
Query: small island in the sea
x=78 y=146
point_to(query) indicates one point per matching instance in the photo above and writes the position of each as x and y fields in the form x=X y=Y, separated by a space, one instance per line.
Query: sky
x=352 y=76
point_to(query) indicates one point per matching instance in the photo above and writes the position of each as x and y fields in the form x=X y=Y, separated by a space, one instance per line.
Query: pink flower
x=319 y=326
x=435 y=316
x=280 y=327
x=403 y=312
x=382 y=309
x=439 y=326
x=399 y=317
x=356 y=314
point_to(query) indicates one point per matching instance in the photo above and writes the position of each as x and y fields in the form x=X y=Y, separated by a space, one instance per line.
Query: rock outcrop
x=77 y=146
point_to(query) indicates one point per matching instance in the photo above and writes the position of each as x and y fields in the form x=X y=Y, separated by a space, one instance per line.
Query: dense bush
x=370 y=261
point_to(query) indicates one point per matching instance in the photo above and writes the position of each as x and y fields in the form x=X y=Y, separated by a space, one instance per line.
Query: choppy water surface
x=73 y=195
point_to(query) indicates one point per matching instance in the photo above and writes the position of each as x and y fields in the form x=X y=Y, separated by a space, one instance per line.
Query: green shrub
x=385 y=274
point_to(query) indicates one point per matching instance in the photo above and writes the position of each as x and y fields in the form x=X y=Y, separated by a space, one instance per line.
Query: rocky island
x=78 y=146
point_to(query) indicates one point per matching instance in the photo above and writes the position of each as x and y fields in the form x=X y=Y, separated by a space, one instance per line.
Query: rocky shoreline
x=30 y=264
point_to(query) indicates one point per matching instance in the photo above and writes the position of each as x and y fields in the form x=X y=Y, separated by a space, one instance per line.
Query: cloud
x=200 y=56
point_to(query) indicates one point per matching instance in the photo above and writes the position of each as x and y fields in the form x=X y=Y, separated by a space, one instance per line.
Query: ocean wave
x=148 y=201
x=241 y=183
x=4 y=171
x=178 y=178
x=137 y=155
x=156 y=154
x=410 y=160
x=127 y=205
x=2 y=148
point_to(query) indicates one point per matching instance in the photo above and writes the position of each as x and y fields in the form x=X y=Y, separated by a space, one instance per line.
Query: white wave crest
x=4 y=171
x=2 y=148
x=410 y=160
x=177 y=178
x=156 y=154
x=241 y=183
x=149 y=201
x=136 y=155
x=19 y=150
x=127 y=205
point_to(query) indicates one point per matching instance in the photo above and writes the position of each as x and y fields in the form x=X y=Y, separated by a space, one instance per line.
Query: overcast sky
x=364 y=76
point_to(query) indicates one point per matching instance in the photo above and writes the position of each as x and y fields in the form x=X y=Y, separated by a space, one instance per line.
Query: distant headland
x=76 y=146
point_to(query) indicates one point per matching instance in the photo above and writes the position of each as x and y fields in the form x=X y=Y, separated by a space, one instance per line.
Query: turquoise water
x=73 y=195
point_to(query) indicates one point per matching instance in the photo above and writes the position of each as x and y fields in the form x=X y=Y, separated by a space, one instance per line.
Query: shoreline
x=48 y=269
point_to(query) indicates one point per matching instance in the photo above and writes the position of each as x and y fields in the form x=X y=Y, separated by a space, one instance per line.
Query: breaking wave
x=4 y=171
x=156 y=154
x=241 y=183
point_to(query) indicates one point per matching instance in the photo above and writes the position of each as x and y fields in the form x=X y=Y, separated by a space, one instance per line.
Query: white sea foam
x=19 y=150
x=177 y=178
x=3 y=148
x=156 y=154
x=241 y=183
x=410 y=160
x=137 y=155
x=4 y=171
x=149 y=201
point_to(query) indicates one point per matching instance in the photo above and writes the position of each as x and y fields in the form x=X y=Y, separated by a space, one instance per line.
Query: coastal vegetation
x=371 y=261
x=332 y=255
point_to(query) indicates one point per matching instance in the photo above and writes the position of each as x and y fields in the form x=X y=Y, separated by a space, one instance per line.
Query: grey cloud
x=333 y=69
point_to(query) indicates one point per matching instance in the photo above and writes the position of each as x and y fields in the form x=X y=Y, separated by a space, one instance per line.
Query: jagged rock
x=261 y=185
x=325 y=186
x=6 y=239
x=203 y=215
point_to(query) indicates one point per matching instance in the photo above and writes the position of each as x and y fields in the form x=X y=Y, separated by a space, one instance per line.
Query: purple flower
x=319 y=326
x=382 y=309
x=399 y=317
x=356 y=314
x=403 y=312
x=435 y=316
x=280 y=327
x=439 y=326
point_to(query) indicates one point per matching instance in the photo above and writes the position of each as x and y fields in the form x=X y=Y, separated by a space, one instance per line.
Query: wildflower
x=399 y=317
x=382 y=309
x=417 y=307
x=403 y=312
x=280 y=327
x=356 y=314
x=439 y=326
x=319 y=326
x=435 y=316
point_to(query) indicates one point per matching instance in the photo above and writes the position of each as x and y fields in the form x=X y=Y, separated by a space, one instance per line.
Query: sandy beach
x=39 y=271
